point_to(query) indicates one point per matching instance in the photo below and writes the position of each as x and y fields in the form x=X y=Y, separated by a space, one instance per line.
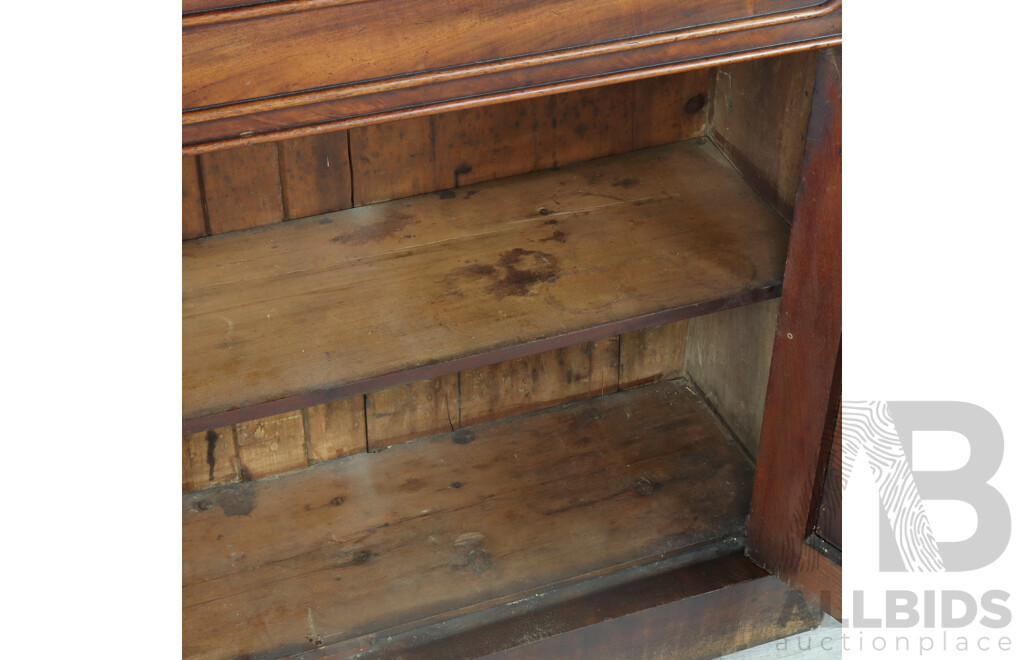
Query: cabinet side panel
x=653 y=354
x=728 y=356
x=792 y=455
x=759 y=118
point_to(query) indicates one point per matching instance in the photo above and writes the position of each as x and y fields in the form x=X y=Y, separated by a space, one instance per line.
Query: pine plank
x=193 y=220
x=209 y=459
x=539 y=381
x=315 y=175
x=653 y=354
x=671 y=108
x=427 y=529
x=336 y=429
x=403 y=413
x=586 y=124
x=272 y=445
x=243 y=188
x=367 y=296
x=487 y=143
x=392 y=160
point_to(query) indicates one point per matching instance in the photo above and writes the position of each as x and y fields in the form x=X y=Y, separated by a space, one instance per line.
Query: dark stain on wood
x=542 y=267
x=446 y=194
x=456 y=484
x=234 y=500
x=628 y=182
x=479 y=559
x=361 y=557
x=462 y=437
x=695 y=104
x=557 y=236
x=412 y=485
x=239 y=502
x=337 y=501
x=463 y=168
x=394 y=223
x=211 y=448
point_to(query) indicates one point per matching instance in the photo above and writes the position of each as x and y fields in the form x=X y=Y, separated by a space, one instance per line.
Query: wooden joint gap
x=351 y=171
x=202 y=195
x=366 y=426
x=306 y=436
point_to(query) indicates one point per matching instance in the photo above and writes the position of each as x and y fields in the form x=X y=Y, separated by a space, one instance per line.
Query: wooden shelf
x=308 y=311
x=472 y=521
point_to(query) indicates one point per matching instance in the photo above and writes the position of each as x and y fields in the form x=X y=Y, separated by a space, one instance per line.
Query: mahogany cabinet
x=510 y=328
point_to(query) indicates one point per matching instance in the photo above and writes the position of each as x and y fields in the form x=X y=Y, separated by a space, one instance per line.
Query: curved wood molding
x=282 y=112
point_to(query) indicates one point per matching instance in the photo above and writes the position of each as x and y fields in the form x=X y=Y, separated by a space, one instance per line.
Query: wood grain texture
x=589 y=123
x=242 y=188
x=298 y=51
x=487 y=514
x=759 y=119
x=193 y=217
x=209 y=459
x=392 y=160
x=336 y=429
x=695 y=609
x=792 y=455
x=539 y=381
x=671 y=108
x=653 y=354
x=295 y=53
x=273 y=445
x=728 y=355
x=475 y=145
x=704 y=626
x=604 y=247
x=484 y=144
x=315 y=174
x=411 y=411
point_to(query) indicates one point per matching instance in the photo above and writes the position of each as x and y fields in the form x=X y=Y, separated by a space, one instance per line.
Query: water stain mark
x=463 y=168
x=392 y=224
x=517 y=272
x=211 y=450
x=479 y=559
x=463 y=437
x=628 y=182
x=557 y=236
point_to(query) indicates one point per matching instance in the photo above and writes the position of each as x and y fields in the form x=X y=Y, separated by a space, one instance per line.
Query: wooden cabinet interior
x=529 y=343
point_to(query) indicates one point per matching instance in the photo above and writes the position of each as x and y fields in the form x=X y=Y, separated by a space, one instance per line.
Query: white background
x=932 y=261
x=91 y=273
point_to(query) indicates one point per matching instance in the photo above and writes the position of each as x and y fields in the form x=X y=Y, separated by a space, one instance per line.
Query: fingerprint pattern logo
x=869 y=428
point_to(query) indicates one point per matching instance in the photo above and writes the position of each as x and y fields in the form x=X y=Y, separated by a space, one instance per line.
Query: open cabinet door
x=786 y=535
